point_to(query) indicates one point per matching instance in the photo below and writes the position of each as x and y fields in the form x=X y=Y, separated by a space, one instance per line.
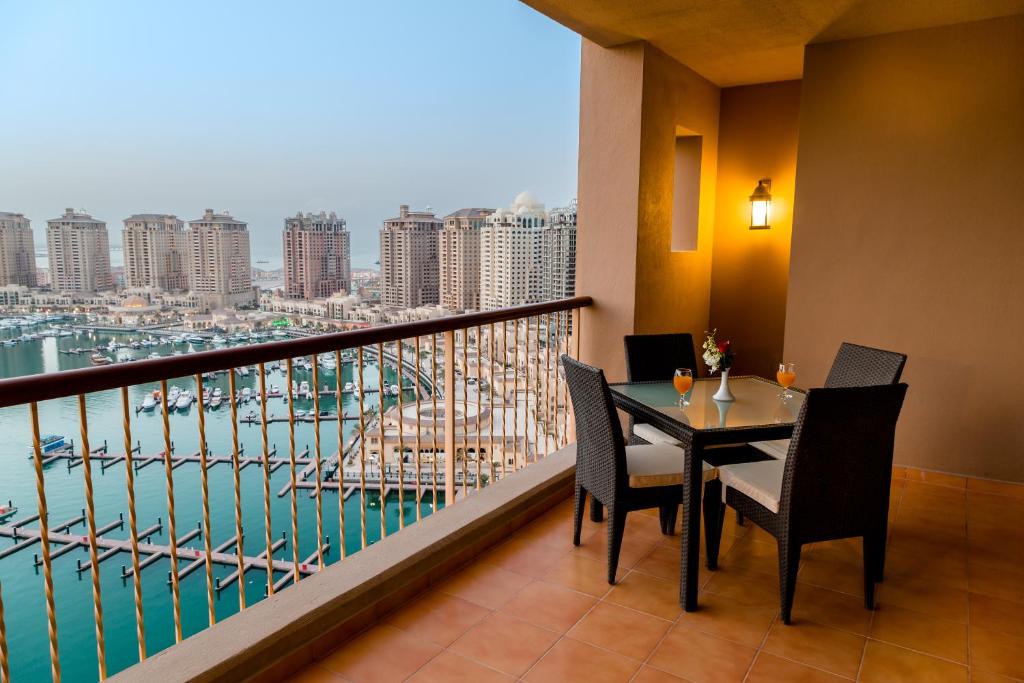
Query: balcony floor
x=538 y=609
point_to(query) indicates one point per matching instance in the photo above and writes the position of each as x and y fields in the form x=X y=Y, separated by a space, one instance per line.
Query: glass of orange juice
x=785 y=377
x=683 y=382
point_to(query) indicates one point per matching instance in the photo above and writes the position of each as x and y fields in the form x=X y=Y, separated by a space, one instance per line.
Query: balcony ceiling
x=737 y=42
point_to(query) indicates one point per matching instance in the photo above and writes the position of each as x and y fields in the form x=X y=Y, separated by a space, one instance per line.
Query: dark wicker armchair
x=619 y=477
x=854 y=366
x=833 y=484
x=654 y=358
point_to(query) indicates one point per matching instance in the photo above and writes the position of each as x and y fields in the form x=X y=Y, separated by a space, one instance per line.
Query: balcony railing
x=471 y=399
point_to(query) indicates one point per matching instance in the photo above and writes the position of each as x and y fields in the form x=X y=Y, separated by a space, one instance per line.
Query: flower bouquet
x=719 y=356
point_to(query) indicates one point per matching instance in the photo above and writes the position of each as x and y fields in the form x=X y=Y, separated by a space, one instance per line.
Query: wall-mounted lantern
x=761 y=205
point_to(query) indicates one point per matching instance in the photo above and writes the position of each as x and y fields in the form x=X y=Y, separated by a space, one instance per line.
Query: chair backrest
x=840 y=461
x=655 y=357
x=863 y=366
x=600 y=449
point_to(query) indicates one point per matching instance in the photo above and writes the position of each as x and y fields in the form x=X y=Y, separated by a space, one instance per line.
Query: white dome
x=525 y=199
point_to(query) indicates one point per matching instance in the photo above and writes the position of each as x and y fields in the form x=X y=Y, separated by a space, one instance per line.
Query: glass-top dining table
x=758 y=413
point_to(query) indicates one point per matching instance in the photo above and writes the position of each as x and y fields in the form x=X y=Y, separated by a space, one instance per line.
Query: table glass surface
x=757 y=403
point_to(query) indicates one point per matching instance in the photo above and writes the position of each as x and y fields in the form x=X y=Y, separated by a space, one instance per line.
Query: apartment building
x=220 y=269
x=408 y=259
x=155 y=252
x=17 y=250
x=458 y=256
x=79 y=252
x=511 y=263
x=317 y=256
x=558 y=244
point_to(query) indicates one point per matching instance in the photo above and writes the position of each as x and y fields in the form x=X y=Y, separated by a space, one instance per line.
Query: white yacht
x=184 y=401
x=148 y=403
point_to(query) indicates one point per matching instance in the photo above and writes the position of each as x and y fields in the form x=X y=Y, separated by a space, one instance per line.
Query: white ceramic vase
x=723 y=393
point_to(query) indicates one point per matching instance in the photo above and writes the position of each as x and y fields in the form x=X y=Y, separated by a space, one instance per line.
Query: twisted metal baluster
x=236 y=467
x=317 y=465
x=380 y=423
x=44 y=542
x=133 y=527
x=292 y=473
x=90 y=518
x=479 y=363
x=5 y=667
x=465 y=409
x=547 y=380
x=419 y=492
x=341 y=445
x=204 y=485
x=401 y=439
x=268 y=529
x=362 y=452
x=490 y=387
x=172 y=531
x=515 y=392
x=433 y=399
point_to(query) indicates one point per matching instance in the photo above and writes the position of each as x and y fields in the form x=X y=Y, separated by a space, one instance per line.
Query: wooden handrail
x=33 y=388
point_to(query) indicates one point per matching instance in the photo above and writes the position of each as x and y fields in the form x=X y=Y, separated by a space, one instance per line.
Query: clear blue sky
x=268 y=108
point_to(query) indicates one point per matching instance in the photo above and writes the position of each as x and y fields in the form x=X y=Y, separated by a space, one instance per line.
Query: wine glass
x=785 y=377
x=683 y=382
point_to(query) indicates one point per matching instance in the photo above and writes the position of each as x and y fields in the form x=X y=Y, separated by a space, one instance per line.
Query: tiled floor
x=538 y=609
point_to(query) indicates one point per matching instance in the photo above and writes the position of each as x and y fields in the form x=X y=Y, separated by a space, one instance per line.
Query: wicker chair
x=622 y=478
x=833 y=484
x=654 y=358
x=854 y=366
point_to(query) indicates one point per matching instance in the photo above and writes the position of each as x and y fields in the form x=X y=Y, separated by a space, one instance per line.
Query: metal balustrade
x=513 y=351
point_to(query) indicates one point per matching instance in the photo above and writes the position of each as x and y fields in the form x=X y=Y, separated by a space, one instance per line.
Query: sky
x=264 y=109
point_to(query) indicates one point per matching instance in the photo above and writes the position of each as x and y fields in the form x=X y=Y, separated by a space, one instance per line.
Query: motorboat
x=216 y=400
x=246 y=393
x=172 y=395
x=184 y=401
x=51 y=442
x=148 y=403
x=195 y=339
x=349 y=386
x=153 y=355
x=7 y=511
x=217 y=391
x=300 y=413
x=219 y=340
x=99 y=359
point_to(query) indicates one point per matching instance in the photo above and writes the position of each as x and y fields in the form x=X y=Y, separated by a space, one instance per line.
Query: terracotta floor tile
x=438 y=617
x=384 y=653
x=997 y=652
x=648 y=594
x=582 y=573
x=949 y=571
x=831 y=608
x=997 y=614
x=648 y=674
x=884 y=663
x=752 y=553
x=988 y=677
x=771 y=669
x=632 y=551
x=745 y=585
x=925 y=596
x=485 y=584
x=818 y=646
x=730 y=619
x=701 y=657
x=923 y=632
x=505 y=643
x=315 y=674
x=626 y=631
x=549 y=605
x=571 y=660
x=449 y=667
x=832 y=574
x=525 y=556
x=1000 y=583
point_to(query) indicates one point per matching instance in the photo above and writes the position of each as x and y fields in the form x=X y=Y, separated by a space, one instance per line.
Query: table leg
x=690 y=542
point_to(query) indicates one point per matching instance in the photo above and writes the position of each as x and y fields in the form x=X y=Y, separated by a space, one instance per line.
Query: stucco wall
x=633 y=100
x=757 y=138
x=908 y=235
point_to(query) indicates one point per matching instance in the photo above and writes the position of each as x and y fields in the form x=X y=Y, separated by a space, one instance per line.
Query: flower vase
x=723 y=393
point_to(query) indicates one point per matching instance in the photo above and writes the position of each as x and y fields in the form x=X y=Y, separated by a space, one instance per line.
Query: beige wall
x=908 y=234
x=633 y=100
x=757 y=138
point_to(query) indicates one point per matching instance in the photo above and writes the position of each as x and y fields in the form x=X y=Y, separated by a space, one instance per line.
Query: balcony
x=892 y=138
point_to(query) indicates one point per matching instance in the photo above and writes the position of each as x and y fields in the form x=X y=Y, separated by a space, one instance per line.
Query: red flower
x=723 y=346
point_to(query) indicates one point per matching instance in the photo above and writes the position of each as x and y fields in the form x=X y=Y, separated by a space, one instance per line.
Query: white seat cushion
x=761 y=481
x=652 y=434
x=778 y=449
x=658 y=464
